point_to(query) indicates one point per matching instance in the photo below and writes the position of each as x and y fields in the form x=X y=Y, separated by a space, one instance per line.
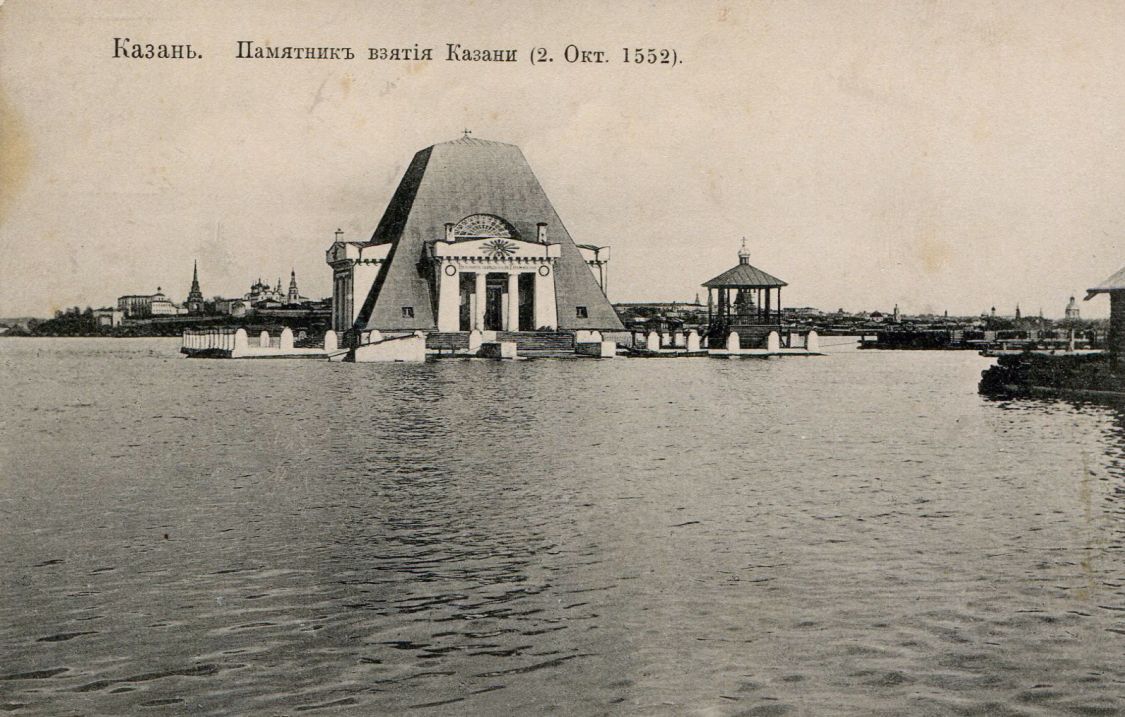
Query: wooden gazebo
x=745 y=302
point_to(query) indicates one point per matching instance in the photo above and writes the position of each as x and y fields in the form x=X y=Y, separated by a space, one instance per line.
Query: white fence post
x=773 y=342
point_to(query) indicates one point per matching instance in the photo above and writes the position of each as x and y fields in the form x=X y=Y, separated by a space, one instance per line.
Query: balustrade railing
x=201 y=340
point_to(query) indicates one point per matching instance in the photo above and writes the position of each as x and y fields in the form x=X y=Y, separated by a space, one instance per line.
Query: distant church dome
x=1072 y=309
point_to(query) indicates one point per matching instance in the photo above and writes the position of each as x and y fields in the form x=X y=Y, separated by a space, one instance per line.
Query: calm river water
x=854 y=534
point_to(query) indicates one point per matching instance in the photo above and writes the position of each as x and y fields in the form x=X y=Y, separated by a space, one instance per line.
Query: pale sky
x=941 y=156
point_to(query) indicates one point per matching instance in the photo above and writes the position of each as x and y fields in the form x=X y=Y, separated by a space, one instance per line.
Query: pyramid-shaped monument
x=471 y=241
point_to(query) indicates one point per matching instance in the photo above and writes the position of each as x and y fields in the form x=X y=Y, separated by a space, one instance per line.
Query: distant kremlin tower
x=194 y=302
x=260 y=296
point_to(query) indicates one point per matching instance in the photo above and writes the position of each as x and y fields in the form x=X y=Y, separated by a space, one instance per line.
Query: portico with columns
x=488 y=278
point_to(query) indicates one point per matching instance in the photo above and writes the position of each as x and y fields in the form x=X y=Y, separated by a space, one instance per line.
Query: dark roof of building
x=450 y=181
x=744 y=276
x=1113 y=283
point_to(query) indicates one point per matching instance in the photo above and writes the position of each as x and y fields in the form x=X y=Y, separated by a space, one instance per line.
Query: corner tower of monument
x=469 y=241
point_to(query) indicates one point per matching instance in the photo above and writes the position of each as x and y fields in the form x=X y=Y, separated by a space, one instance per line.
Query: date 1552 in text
x=575 y=55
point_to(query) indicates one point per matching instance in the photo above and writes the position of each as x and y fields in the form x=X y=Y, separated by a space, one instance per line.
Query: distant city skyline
x=170 y=290
x=949 y=157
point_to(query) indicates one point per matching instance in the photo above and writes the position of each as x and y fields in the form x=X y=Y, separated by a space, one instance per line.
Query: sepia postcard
x=591 y=358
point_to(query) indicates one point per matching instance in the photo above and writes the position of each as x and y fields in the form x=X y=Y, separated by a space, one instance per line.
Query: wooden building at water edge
x=1115 y=287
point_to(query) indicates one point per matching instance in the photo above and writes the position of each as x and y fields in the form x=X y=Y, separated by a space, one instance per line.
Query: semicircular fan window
x=484 y=226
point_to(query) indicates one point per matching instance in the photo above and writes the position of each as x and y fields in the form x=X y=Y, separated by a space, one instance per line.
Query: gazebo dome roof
x=744 y=276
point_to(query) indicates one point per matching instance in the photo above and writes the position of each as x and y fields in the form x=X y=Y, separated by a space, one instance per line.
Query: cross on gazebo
x=467 y=133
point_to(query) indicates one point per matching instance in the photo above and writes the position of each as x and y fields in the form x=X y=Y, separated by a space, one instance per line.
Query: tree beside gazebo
x=746 y=300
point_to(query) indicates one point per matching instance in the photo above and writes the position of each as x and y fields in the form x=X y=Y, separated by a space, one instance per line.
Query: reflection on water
x=855 y=534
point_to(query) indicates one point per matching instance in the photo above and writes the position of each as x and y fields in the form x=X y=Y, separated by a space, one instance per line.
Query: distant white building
x=1072 y=313
x=143 y=306
x=108 y=317
x=262 y=292
x=263 y=296
x=231 y=307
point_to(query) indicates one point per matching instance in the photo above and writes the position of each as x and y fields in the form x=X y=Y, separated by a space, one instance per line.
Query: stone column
x=478 y=306
x=545 y=312
x=513 y=318
x=353 y=310
x=347 y=312
x=344 y=312
x=449 y=299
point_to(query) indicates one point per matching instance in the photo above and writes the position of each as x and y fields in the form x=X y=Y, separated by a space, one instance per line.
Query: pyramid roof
x=446 y=183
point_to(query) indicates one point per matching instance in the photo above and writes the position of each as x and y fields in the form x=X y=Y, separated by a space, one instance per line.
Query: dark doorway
x=527 y=302
x=494 y=303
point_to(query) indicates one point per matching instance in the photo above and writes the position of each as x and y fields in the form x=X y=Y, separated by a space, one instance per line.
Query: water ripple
x=861 y=534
